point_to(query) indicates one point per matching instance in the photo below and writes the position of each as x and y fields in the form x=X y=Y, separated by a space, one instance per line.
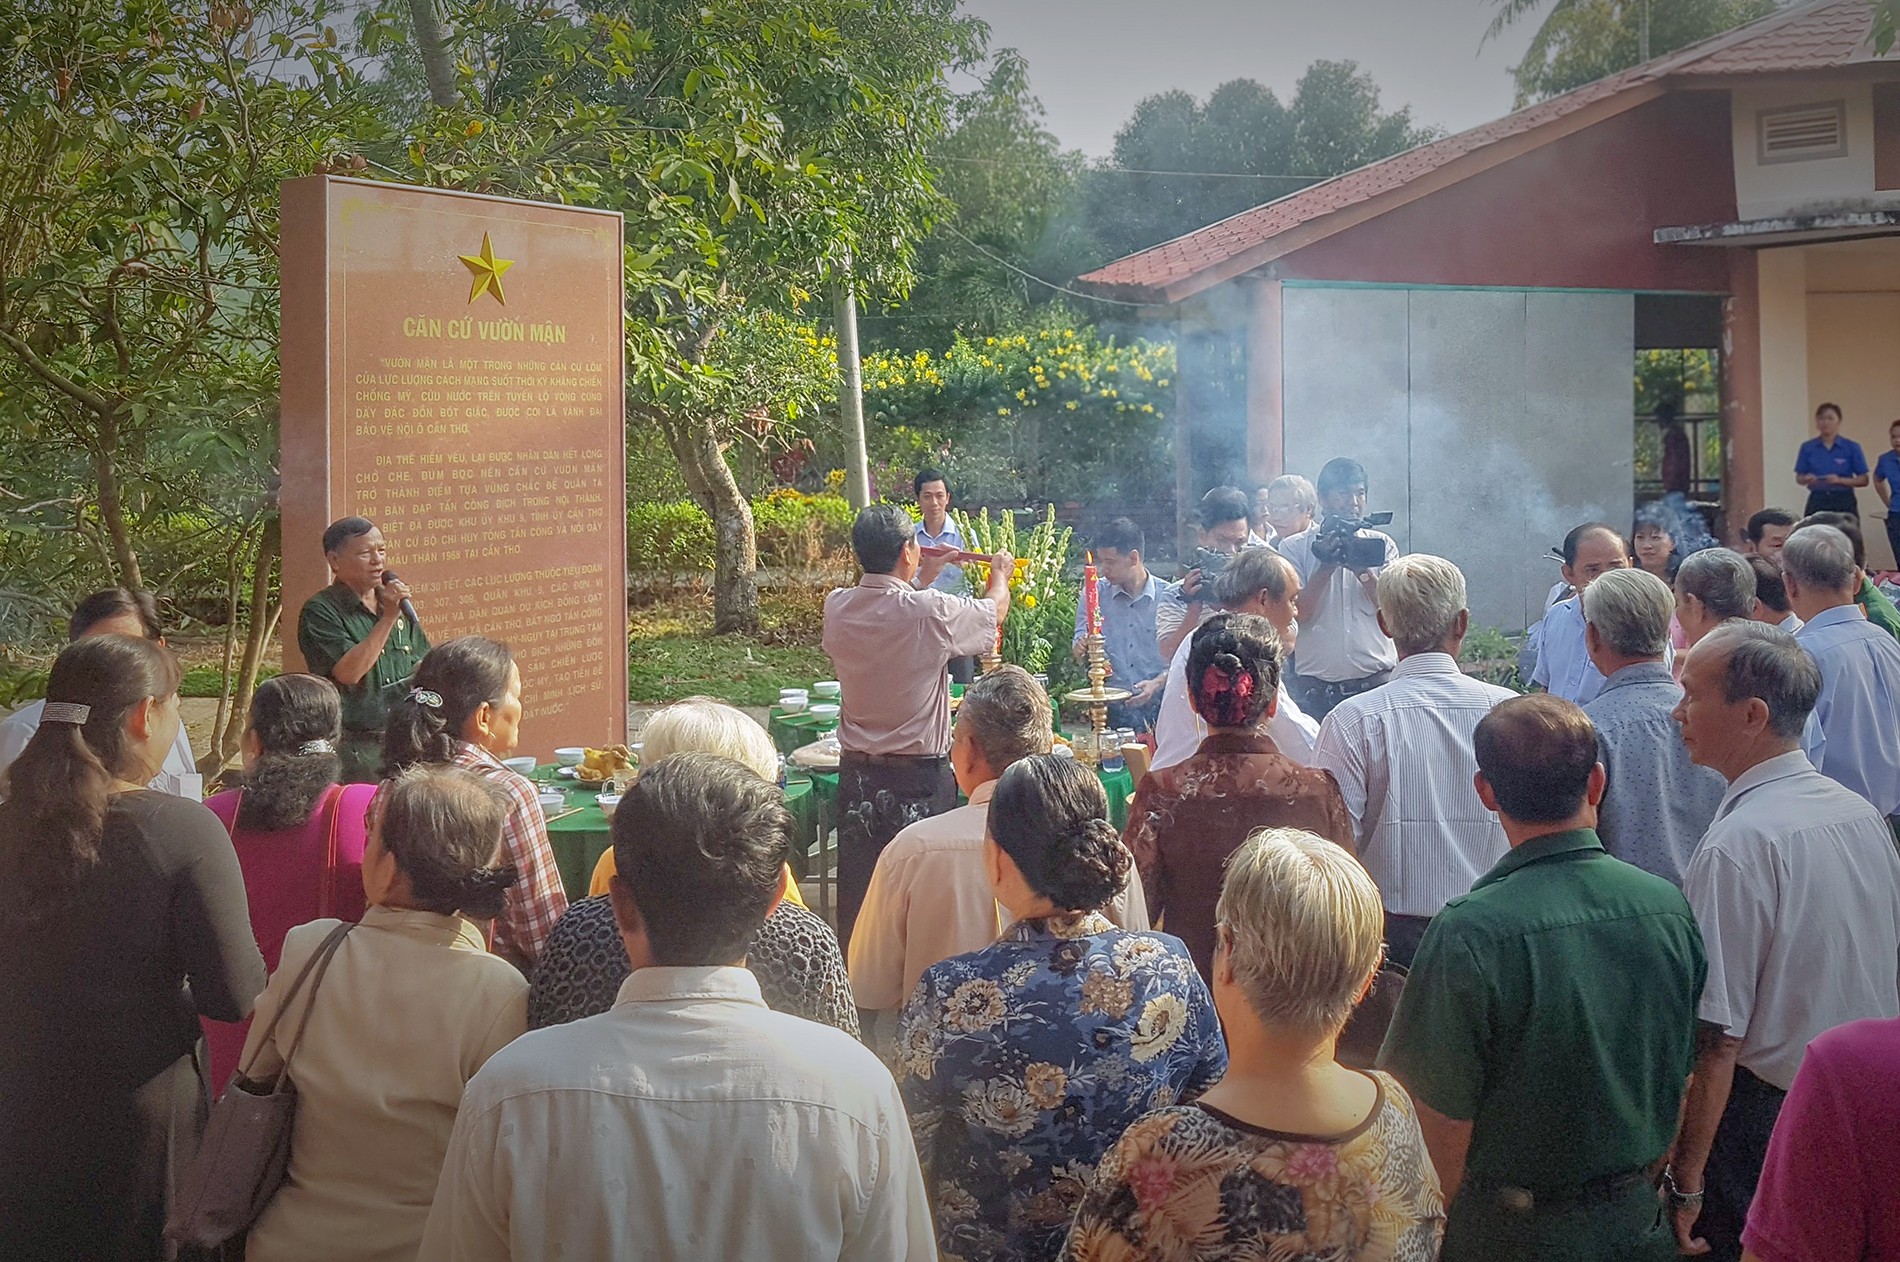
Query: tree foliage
x=1581 y=41
x=1250 y=147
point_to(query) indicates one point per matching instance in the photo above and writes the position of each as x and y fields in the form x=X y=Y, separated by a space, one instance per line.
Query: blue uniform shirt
x=1887 y=468
x=1844 y=459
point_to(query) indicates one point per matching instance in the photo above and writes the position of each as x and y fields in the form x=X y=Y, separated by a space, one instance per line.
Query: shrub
x=794 y=530
x=669 y=538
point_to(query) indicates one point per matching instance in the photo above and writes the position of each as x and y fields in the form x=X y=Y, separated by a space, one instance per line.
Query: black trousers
x=1833 y=499
x=1402 y=936
x=1735 y=1161
x=1893 y=532
x=1318 y=696
x=877 y=798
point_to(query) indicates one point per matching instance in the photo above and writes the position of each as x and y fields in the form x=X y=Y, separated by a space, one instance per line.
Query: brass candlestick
x=1097 y=697
x=990 y=661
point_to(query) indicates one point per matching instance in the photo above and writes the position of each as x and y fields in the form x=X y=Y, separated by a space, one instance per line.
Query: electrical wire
x=1026 y=274
x=1121 y=170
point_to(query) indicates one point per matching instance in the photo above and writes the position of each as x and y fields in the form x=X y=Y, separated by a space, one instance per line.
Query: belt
x=1598 y=1191
x=1349 y=688
x=850 y=758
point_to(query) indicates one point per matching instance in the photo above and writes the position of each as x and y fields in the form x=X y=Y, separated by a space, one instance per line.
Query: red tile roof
x=1820 y=35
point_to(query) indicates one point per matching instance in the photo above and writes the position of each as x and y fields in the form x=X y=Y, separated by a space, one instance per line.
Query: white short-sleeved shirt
x=1796 y=889
x=179 y=777
x=1178 y=730
x=1345 y=642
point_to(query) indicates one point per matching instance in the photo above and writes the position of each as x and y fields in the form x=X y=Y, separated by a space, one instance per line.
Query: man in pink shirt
x=1830 y=1189
x=890 y=645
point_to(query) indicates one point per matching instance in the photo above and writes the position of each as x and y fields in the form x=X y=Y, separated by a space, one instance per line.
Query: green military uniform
x=332 y=623
x=1879 y=610
x=1554 y=1008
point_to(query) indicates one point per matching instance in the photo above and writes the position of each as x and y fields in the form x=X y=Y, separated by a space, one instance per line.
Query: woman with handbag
x=298 y=833
x=380 y=1042
x=124 y=921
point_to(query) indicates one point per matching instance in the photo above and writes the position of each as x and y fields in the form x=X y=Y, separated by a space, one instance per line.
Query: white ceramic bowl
x=824 y=710
x=608 y=801
x=523 y=764
x=827 y=689
x=570 y=755
x=792 y=704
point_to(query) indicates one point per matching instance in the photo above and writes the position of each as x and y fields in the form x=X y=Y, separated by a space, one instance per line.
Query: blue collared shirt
x=951 y=580
x=1844 y=459
x=1854 y=737
x=1658 y=803
x=1887 y=468
x=1564 y=668
x=1128 y=631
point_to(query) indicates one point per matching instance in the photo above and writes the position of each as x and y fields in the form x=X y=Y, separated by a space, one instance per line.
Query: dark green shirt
x=333 y=622
x=1879 y=610
x=1554 y=1008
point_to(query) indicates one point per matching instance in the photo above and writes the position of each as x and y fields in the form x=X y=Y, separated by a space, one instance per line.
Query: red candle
x=1091 y=596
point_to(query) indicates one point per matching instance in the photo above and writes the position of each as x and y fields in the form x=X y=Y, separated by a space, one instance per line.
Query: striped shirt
x=1855 y=738
x=537 y=900
x=1402 y=756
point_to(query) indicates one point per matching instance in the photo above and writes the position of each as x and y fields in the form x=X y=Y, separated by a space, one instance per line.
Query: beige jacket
x=410 y=1008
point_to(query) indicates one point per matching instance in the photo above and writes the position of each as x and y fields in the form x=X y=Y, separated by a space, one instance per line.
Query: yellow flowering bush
x=1054 y=412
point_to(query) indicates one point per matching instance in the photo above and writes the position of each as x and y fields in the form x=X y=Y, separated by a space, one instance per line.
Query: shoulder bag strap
x=323 y=952
x=331 y=945
x=326 y=886
x=230 y=825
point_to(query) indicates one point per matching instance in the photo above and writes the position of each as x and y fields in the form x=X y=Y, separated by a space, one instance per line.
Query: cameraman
x=1224 y=527
x=1342 y=651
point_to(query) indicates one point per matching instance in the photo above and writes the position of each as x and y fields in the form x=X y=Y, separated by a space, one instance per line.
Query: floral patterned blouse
x=1191 y=1184
x=1023 y=1062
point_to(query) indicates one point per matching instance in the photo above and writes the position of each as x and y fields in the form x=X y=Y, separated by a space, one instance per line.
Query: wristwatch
x=1675 y=1197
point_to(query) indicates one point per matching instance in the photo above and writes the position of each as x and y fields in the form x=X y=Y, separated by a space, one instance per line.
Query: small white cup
x=570 y=755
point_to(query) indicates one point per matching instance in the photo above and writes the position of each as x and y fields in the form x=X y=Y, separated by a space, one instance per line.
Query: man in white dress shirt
x=1402 y=754
x=1563 y=666
x=1345 y=651
x=1712 y=586
x=1224 y=530
x=930 y=897
x=1258 y=581
x=1797 y=891
x=1855 y=736
x=690 y=1122
x=1771 y=595
x=114 y=611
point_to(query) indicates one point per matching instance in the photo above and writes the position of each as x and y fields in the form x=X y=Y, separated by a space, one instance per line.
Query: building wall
x=1764 y=190
x=1578 y=213
x=1853 y=352
x=1489 y=423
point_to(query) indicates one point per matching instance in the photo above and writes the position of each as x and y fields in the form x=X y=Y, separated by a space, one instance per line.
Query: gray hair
x=1767 y=663
x=1421 y=597
x=1006 y=713
x=1722 y=580
x=1304 y=495
x=1820 y=556
x=1251 y=571
x=1631 y=610
x=704 y=726
x=1305 y=925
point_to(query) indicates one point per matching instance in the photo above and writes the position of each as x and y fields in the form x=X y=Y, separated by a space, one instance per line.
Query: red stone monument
x=452 y=370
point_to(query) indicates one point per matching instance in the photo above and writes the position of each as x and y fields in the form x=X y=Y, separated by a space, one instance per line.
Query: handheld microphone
x=408 y=606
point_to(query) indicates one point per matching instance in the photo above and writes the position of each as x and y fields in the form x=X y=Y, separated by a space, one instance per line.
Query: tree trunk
x=736 y=548
x=263 y=624
x=434 y=47
x=125 y=561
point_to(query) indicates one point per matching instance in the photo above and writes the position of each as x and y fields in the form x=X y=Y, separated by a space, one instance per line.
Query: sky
x=1091 y=60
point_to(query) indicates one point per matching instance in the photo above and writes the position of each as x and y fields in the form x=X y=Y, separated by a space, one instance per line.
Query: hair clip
x=423 y=697
x=66 y=712
x=322 y=745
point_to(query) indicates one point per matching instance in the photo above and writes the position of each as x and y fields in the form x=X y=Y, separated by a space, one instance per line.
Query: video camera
x=1210 y=563
x=1338 y=542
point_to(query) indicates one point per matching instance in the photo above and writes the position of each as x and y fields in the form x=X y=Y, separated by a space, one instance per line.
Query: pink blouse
x=283 y=875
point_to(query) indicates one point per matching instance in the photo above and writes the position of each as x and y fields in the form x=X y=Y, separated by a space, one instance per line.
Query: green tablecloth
x=579 y=839
x=793 y=731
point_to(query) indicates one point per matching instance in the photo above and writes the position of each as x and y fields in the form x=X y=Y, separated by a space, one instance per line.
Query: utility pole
x=857 y=465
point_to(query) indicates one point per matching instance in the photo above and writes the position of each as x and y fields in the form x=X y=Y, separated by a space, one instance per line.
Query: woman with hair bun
x=1186 y=819
x=465 y=711
x=410 y=1006
x=1022 y=1063
x=298 y=834
x=123 y=922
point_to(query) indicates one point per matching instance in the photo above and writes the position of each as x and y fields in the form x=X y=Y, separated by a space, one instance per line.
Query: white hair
x=1304 y=496
x=1631 y=610
x=1820 y=557
x=704 y=726
x=1305 y=925
x=1421 y=597
x=1722 y=580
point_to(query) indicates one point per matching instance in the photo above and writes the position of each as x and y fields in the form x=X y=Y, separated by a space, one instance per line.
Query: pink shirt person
x=1830 y=1187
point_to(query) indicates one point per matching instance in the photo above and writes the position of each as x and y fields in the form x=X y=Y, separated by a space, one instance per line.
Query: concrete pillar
x=1743 y=486
x=1266 y=414
x=1786 y=407
x=1185 y=366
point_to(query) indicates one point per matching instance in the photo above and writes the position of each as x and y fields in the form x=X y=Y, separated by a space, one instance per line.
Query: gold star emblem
x=487 y=270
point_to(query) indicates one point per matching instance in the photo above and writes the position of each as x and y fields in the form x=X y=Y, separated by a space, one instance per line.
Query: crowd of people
x=1388 y=962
